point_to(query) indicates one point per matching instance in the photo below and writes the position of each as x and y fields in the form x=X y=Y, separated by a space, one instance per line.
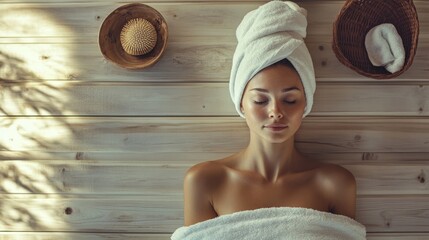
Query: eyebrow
x=284 y=90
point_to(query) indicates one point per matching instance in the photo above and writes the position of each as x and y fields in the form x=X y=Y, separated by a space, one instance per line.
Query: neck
x=270 y=160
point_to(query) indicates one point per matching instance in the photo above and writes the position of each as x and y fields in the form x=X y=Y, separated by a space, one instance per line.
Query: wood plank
x=194 y=60
x=210 y=18
x=207 y=134
x=196 y=52
x=397 y=236
x=80 y=236
x=201 y=46
x=163 y=214
x=195 y=156
x=84 y=177
x=150 y=176
x=200 y=99
x=148 y=2
x=377 y=218
x=116 y=213
x=139 y=236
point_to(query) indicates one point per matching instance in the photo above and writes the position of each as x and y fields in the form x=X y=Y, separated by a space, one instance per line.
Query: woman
x=272 y=85
x=270 y=172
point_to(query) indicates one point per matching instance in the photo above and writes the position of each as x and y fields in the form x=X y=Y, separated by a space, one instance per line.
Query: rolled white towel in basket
x=385 y=48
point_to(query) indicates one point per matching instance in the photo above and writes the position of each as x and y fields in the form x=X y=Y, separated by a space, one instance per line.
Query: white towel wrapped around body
x=275 y=223
x=385 y=48
x=272 y=32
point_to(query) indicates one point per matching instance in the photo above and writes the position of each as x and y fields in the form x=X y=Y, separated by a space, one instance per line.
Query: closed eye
x=264 y=102
x=260 y=102
x=290 y=102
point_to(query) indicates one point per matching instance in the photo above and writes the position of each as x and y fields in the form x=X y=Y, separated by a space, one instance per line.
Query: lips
x=276 y=127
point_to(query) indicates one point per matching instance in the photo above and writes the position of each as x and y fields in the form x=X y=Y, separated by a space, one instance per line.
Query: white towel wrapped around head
x=385 y=48
x=266 y=35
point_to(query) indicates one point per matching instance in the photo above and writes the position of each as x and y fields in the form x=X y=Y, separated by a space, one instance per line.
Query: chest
x=246 y=193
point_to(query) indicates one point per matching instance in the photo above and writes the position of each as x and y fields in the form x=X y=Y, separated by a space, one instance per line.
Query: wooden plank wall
x=91 y=151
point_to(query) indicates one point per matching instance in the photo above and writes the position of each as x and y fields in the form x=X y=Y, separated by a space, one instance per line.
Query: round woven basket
x=354 y=21
x=109 y=36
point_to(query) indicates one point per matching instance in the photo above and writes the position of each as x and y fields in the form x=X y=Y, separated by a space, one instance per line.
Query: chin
x=279 y=139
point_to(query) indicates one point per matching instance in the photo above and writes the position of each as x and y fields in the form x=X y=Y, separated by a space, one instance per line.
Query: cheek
x=295 y=116
x=297 y=110
x=296 y=120
x=254 y=111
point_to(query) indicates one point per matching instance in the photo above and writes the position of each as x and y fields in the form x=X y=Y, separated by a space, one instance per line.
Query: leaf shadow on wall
x=30 y=128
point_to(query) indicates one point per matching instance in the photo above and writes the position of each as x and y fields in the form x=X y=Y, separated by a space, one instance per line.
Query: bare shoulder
x=339 y=185
x=329 y=172
x=206 y=174
x=200 y=182
x=338 y=174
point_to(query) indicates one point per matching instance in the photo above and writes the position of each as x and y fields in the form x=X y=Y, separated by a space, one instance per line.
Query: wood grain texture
x=163 y=214
x=139 y=236
x=196 y=59
x=208 y=134
x=195 y=156
x=202 y=18
x=151 y=177
x=201 y=99
x=92 y=151
x=200 y=47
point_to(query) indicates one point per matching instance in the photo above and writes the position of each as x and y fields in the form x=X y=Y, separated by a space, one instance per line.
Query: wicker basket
x=109 y=36
x=354 y=21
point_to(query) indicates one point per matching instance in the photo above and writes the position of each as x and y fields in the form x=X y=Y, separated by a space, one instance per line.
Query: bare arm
x=344 y=199
x=197 y=194
x=339 y=188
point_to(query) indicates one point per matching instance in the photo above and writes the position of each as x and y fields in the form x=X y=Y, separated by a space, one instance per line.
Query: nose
x=275 y=112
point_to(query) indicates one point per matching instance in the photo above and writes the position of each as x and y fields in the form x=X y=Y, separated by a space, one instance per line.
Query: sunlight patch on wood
x=33 y=62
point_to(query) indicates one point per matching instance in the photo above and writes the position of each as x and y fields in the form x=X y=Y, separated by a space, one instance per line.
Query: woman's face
x=273 y=103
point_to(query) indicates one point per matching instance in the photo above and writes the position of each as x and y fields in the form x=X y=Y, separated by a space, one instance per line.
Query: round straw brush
x=138 y=36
